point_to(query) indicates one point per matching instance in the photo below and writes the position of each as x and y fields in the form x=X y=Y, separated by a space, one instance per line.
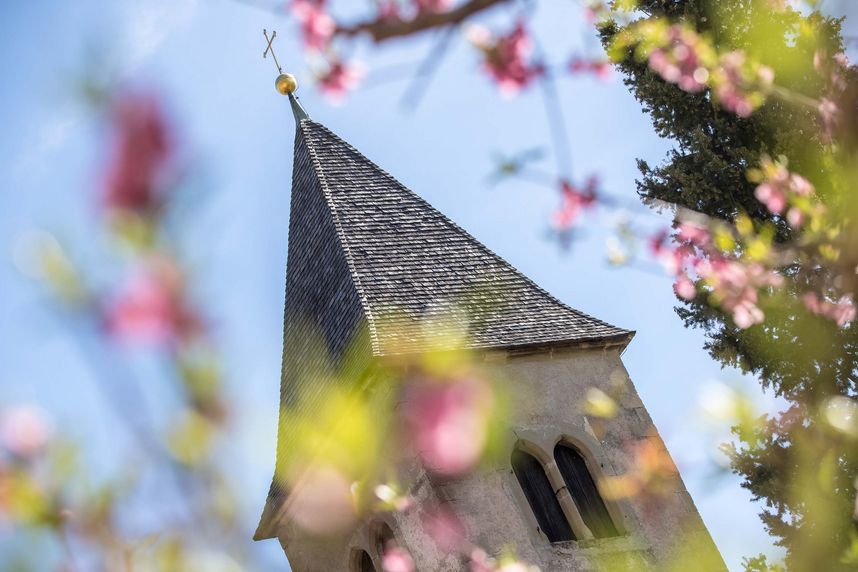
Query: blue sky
x=205 y=58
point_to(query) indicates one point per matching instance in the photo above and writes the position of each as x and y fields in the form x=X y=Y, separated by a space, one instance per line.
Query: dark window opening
x=540 y=495
x=385 y=538
x=582 y=487
x=366 y=564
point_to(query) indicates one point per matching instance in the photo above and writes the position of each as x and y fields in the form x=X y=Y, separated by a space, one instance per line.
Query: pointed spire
x=297 y=109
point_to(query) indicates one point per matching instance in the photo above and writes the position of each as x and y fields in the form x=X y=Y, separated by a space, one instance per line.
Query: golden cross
x=270 y=48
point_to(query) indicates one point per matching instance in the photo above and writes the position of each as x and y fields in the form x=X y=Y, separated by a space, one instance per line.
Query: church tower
x=367 y=260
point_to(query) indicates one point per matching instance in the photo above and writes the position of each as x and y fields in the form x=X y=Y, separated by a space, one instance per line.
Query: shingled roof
x=367 y=255
x=407 y=260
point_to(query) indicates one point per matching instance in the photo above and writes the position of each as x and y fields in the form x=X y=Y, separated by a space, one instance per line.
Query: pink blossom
x=602 y=69
x=321 y=501
x=772 y=196
x=388 y=10
x=684 y=287
x=317 y=26
x=396 y=559
x=658 y=242
x=800 y=186
x=746 y=314
x=734 y=285
x=829 y=114
x=447 y=422
x=445 y=528
x=694 y=233
x=679 y=62
x=150 y=308
x=795 y=217
x=780 y=188
x=730 y=89
x=339 y=79
x=841 y=311
x=25 y=431
x=141 y=152
x=432 y=5
x=506 y=58
x=832 y=68
x=481 y=562
x=574 y=201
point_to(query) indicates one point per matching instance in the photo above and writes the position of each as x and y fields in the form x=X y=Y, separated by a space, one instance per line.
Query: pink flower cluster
x=396 y=559
x=834 y=70
x=507 y=57
x=142 y=149
x=602 y=69
x=317 y=26
x=430 y=6
x=736 y=84
x=339 y=79
x=573 y=201
x=782 y=189
x=734 y=284
x=842 y=311
x=150 y=307
x=446 y=421
x=24 y=431
x=680 y=60
x=689 y=61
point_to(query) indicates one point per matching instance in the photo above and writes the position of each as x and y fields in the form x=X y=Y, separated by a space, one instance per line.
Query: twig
x=382 y=29
x=427 y=69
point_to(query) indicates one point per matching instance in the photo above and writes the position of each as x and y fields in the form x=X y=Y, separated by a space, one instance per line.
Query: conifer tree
x=804 y=360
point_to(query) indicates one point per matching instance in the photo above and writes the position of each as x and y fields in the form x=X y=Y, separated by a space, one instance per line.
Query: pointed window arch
x=584 y=492
x=540 y=495
x=365 y=562
x=384 y=539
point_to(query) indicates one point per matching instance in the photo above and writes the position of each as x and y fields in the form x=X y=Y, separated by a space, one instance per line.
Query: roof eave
x=267 y=527
x=620 y=340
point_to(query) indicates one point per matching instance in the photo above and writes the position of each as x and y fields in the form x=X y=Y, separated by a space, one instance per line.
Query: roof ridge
x=323 y=184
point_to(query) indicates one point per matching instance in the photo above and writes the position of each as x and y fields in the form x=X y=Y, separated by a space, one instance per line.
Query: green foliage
x=800 y=466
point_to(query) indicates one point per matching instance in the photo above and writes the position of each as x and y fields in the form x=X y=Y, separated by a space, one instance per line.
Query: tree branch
x=385 y=29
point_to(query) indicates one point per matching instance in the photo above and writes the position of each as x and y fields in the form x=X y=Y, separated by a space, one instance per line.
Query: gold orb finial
x=286 y=83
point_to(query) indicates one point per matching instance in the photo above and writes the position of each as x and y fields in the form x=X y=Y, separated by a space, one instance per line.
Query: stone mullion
x=561 y=492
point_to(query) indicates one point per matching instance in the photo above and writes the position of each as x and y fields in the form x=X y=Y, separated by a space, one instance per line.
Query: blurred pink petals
x=448 y=532
x=339 y=79
x=684 y=287
x=574 y=201
x=150 y=307
x=431 y=6
x=142 y=149
x=25 y=431
x=317 y=26
x=321 y=501
x=679 y=61
x=396 y=559
x=599 y=68
x=772 y=196
x=507 y=58
x=841 y=311
x=447 y=422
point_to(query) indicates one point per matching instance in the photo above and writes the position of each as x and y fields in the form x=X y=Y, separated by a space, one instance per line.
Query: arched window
x=540 y=495
x=384 y=539
x=582 y=488
x=365 y=562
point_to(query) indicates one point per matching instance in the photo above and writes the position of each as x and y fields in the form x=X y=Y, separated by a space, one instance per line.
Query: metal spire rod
x=285 y=82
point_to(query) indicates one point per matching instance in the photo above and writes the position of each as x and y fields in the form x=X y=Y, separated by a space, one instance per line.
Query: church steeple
x=369 y=256
x=370 y=264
